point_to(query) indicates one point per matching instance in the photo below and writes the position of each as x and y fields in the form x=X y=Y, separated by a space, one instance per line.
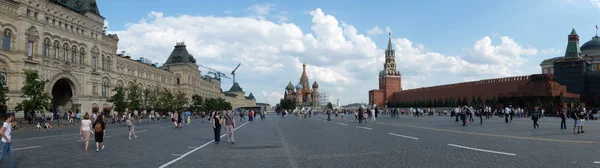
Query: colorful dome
x=299 y=86
x=315 y=85
x=289 y=86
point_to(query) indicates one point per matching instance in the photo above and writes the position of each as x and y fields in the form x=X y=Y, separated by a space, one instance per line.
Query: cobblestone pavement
x=430 y=141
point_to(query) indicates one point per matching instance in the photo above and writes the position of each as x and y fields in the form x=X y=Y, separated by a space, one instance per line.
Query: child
x=38 y=126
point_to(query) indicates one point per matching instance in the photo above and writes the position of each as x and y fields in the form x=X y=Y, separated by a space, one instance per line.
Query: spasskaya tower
x=389 y=79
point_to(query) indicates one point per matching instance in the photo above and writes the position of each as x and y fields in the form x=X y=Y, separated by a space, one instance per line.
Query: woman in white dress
x=85 y=130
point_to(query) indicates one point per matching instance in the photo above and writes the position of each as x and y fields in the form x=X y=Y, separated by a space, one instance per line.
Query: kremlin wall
x=566 y=82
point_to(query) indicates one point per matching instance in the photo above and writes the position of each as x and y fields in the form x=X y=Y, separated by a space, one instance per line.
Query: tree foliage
x=118 y=99
x=166 y=100
x=134 y=97
x=35 y=99
x=149 y=99
x=180 y=102
x=287 y=104
x=329 y=105
x=197 y=103
x=3 y=97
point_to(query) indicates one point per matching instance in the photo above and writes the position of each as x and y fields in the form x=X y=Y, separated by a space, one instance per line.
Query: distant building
x=323 y=98
x=304 y=95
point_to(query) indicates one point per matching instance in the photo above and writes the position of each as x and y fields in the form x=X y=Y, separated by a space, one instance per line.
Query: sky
x=342 y=42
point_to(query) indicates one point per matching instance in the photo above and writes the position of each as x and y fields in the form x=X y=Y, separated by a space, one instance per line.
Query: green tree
x=464 y=101
x=157 y=104
x=149 y=99
x=180 y=102
x=35 y=99
x=480 y=101
x=329 y=105
x=287 y=104
x=459 y=102
x=118 y=99
x=197 y=103
x=134 y=97
x=223 y=104
x=3 y=97
x=166 y=100
x=474 y=102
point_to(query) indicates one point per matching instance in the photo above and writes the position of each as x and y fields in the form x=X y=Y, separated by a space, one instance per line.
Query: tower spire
x=390 y=42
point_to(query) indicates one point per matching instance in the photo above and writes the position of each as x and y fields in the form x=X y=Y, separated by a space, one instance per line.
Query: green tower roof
x=235 y=88
x=573 y=50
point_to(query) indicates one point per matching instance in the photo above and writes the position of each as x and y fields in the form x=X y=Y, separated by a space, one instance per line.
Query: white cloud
x=595 y=2
x=388 y=29
x=374 y=31
x=261 y=10
x=343 y=62
x=550 y=51
x=282 y=16
x=508 y=52
x=228 y=12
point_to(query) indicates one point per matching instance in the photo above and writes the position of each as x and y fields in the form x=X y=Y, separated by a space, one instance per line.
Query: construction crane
x=217 y=74
x=233 y=72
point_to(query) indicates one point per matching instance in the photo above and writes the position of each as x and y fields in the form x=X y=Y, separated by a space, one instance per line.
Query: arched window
x=93 y=61
x=108 y=63
x=6 y=38
x=105 y=87
x=103 y=63
x=81 y=55
x=46 y=50
x=56 y=48
x=65 y=53
x=73 y=54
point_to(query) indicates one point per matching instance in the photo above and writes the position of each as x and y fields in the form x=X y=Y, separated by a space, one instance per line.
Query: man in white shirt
x=5 y=131
x=373 y=114
x=506 y=113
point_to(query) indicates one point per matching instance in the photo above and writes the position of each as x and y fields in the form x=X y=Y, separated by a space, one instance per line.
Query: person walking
x=229 y=126
x=373 y=113
x=132 y=126
x=6 y=132
x=216 y=121
x=85 y=130
x=535 y=116
x=563 y=117
x=481 y=113
x=360 y=115
x=99 y=132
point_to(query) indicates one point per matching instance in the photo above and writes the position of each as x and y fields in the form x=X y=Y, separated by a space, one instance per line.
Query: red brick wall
x=376 y=97
x=487 y=89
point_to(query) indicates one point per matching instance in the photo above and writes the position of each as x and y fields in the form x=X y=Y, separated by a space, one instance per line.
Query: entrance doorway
x=62 y=92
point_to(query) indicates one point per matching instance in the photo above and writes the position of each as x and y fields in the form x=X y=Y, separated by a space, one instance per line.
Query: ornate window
x=29 y=48
x=93 y=61
x=108 y=63
x=103 y=63
x=105 y=87
x=46 y=50
x=81 y=55
x=56 y=48
x=73 y=54
x=6 y=39
x=65 y=53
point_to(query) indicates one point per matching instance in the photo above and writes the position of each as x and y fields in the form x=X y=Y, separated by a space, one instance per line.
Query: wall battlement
x=486 y=81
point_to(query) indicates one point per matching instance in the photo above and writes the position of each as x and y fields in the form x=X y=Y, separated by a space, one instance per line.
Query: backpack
x=98 y=127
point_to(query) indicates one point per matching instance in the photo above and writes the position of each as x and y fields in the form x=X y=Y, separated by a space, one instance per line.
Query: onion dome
x=315 y=85
x=299 y=86
x=289 y=86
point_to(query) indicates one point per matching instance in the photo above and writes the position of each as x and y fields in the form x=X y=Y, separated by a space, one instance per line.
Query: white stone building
x=66 y=43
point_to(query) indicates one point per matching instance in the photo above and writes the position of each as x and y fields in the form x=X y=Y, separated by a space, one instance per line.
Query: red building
x=518 y=90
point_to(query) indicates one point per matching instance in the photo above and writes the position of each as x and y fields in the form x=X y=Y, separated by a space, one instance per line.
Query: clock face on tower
x=392 y=65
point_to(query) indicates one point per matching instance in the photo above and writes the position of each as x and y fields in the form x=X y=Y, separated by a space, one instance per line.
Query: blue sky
x=446 y=28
